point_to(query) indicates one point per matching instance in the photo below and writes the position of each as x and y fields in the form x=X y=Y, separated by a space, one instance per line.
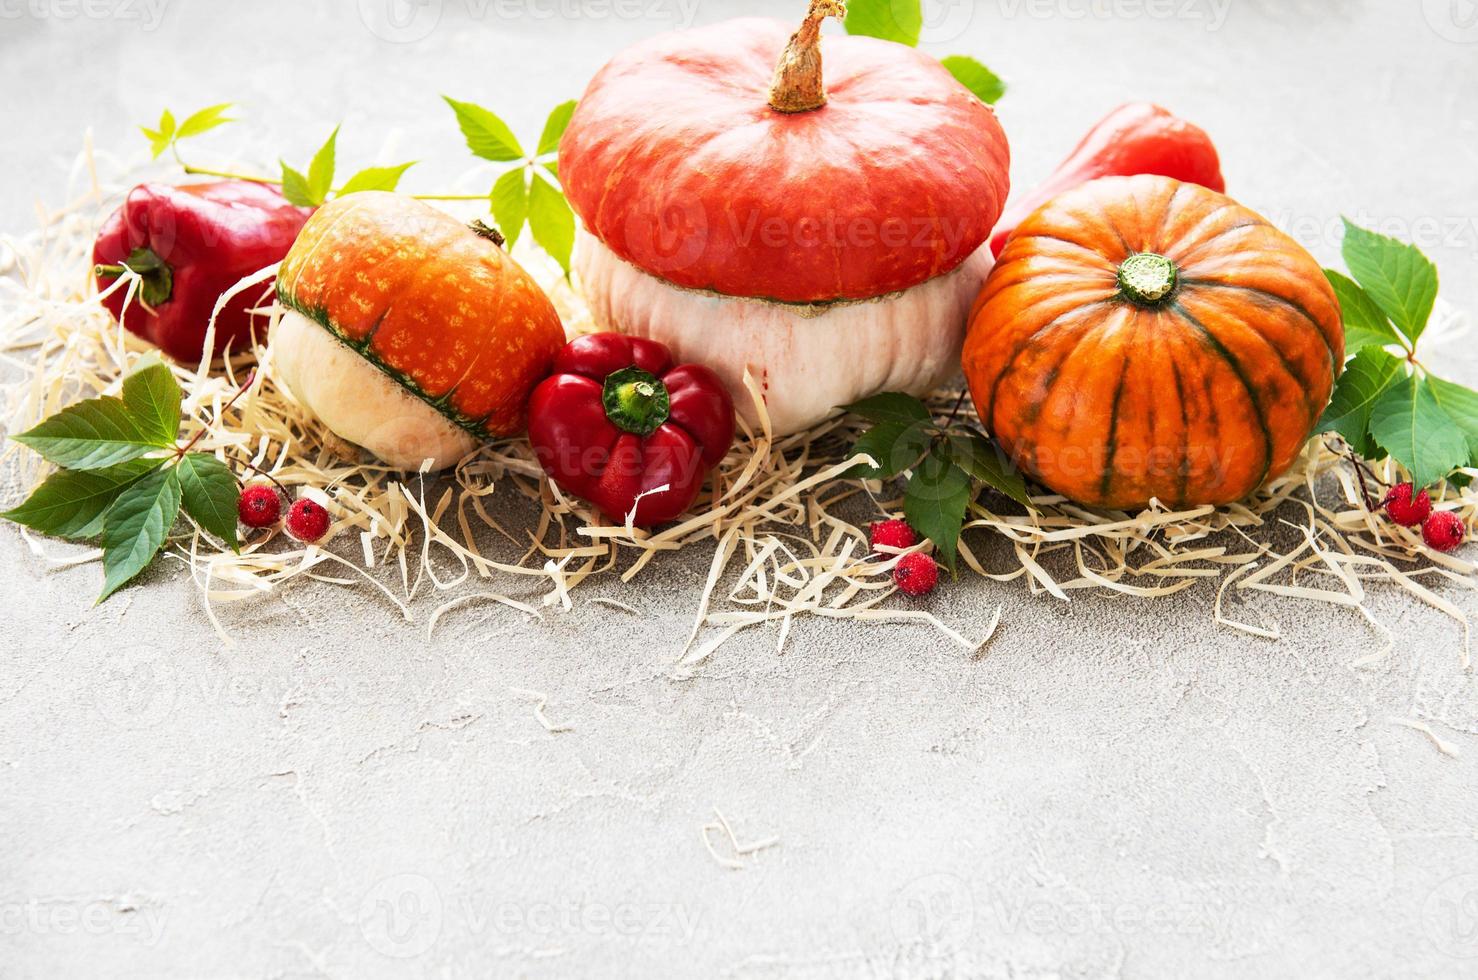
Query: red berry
x=1443 y=531
x=259 y=506
x=916 y=574
x=1405 y=510
x=307 y=521
x=895 y=534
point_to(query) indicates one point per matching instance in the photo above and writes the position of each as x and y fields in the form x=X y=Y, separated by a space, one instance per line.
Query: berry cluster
x=261 y=506
x=915 y=574
x=1442 y=530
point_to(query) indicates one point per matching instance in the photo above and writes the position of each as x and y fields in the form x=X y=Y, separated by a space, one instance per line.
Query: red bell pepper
x=189 y=244
x=1138 y=138
x=616 y=420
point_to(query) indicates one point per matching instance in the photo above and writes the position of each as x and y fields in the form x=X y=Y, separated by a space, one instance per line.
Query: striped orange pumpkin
x=1145 y=338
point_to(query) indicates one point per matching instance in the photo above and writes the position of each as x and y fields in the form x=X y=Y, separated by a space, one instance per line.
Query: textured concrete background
x=1118 y=788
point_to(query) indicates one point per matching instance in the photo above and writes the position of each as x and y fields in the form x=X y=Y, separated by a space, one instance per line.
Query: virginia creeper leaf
x=983 y=460
x=510 y=204
x=895 y=445
x=295 y=187
x=375 y=179
x=1365 y=324
x=136 y=527
x=555 y=126
x=986 y=84
x=321 y=169
x=1398 y=277
x=71 y=503
x=204 y=121
x=1461 y=404
x=1407 y=422
x=935 y=502
x=551 y=221
x=1366 y=378
x=152 y=395
x=487 y=136
x=890 y=406
x=891 y=20
x=210 y=495
x=93 y=434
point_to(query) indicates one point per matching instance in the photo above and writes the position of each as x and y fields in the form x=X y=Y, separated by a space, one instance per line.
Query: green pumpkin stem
x=1148 y=278
x=635 y=401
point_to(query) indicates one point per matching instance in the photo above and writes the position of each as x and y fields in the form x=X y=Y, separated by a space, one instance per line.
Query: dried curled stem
x=797 y=85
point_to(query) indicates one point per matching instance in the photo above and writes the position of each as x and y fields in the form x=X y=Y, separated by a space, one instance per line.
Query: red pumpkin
x=1146 y=338
x=719 y=160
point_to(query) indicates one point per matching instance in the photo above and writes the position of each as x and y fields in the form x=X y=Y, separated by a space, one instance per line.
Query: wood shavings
x=540 y=700
x=772 y=520
x=1443 y=746
x=733 y=861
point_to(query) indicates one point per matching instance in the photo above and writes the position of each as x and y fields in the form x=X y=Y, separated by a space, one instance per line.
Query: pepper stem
x=635 y=400
x=1147 y=278
x=798 y=85
x=156 y=278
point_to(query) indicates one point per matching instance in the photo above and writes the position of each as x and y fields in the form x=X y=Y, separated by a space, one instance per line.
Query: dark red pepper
x=189 y=244
x=616 y=419
x=1138 y=138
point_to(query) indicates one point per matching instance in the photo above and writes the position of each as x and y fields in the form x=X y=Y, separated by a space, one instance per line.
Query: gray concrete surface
x=1118 y=789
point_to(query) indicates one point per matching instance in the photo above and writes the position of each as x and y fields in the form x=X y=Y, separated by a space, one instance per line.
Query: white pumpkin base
x=807 y=360
x=359 y=402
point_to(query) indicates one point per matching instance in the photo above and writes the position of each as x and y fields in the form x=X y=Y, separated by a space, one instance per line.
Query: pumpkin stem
x=798 y=86
x=1147 y=278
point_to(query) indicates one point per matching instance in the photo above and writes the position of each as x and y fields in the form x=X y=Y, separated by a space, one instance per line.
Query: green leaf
x=136 y=527
x=1365 y=324
x=983 y=460
x=152 y=396
x=1398 y=277
x=551 y=221
x=321 y=169
x=375 y=179
x=890 y=406
x=210 y=495
x=510 y=204
x=92 y=435
x=1366 y=378
x=1461 y=405
x=554 y=127
x=986 y=84
x=896 y=446
x=1408 y=423
x=71 y=503
x=891 y=20
x=935 y=502
x=204 y=121
x=487 y=136
x=161 y=138
x=295 y=187
x=553 y=167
